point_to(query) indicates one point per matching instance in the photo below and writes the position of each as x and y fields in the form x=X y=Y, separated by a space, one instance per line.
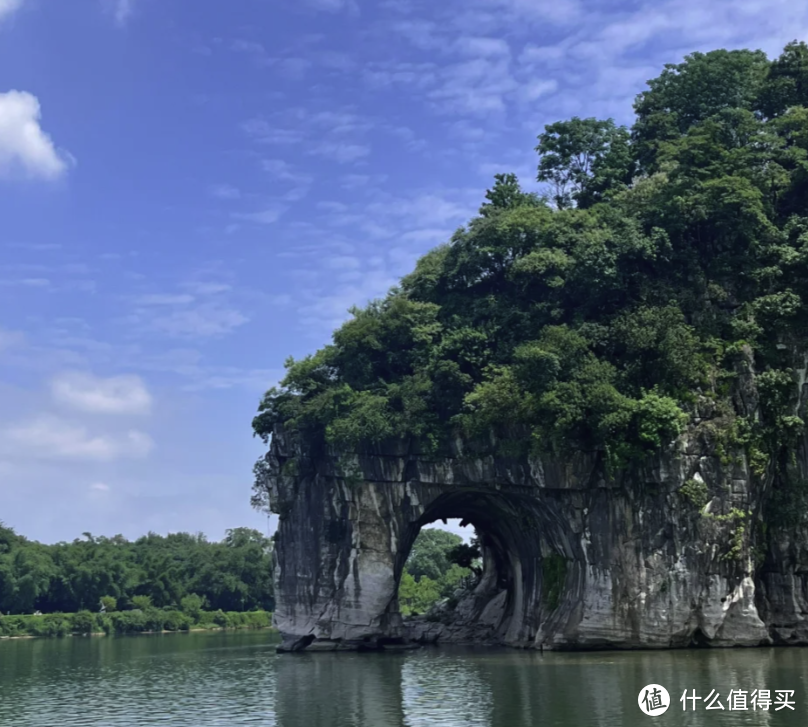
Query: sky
x=191 y=192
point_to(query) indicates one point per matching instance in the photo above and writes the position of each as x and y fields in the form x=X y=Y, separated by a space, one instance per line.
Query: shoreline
x=139 y=633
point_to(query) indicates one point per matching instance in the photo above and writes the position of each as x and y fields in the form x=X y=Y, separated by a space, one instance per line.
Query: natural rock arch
x=521 y=531
x=638 y=572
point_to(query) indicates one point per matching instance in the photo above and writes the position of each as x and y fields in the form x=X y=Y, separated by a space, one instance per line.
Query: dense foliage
x=177 y=571
x=439 y=563
x=599 y=317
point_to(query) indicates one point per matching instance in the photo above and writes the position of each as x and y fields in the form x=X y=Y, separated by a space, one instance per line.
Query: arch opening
x=445 y=559
x=517 y=590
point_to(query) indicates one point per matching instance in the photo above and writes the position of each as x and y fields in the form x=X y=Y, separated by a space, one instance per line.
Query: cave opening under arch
x=524 y=575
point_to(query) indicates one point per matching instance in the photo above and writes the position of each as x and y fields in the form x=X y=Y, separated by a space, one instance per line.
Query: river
x=231 y=679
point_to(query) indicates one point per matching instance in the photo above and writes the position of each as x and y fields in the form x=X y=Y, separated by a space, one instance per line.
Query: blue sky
x=192 y=191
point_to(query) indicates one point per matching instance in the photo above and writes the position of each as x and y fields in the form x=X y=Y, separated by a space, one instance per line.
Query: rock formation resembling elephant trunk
x=571 y=559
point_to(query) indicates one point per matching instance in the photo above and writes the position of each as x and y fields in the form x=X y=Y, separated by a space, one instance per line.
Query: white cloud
x=340 y=152
x=205 y=321
x=263 y=132
x=230 y=377
x=201 y=309
x=99 y=487
x=342 y=262
x=337 y=134
x=122 y=10
x=283 y=171
x=165 y=299
x=34 y=246
x=10 y=339
x=7 y=7
x=327 y=310
x=383 y=74
x=24 y=146
x=203 y=288
x=481 y=46
x=261 y=217
x=478 y=86
x=115 y=395
x=240 y=45
x=423 y=34
x=51 y=438
x=332 y=5
x=333 y=207
x=428 y=236
x=536 y=89
x=548 y=11
x=225 y=191
x=427 y=209
x=357 y=181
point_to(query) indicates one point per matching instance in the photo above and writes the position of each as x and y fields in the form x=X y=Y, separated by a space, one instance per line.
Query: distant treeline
x=136 y=621
x=180 y=571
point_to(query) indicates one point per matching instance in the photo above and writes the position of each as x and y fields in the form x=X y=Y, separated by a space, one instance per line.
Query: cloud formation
x=96 y=395
x=261 y=217
x=7 y=7
x=225 y=191
x=203 y=321
x=24 y=147
x=51 y=438
x=332 y=5
x=122 y=11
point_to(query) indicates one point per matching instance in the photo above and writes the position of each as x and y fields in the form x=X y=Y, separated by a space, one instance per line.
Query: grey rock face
x=571 y=559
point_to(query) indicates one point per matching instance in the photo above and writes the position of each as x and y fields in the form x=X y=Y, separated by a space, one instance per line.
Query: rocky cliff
x=666 y=555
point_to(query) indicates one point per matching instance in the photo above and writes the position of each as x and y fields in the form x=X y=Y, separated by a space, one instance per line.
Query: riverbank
x=148 y=621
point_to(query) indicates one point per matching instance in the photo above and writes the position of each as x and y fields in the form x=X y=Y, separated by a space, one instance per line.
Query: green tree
x=109 y=603
x=583 y=159
x=417 y=597
x=142 y=603
x=429 y=557
x=507 y=194
x=689 y=92
x=786 y=85
x=192 y=604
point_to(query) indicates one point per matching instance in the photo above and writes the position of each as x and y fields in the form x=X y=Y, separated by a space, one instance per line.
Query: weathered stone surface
x=644 y=568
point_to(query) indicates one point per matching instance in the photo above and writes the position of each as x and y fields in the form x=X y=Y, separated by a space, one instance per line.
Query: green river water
x=225 y=679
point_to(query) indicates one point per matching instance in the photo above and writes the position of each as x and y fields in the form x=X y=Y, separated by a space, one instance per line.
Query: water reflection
x=440 y=689
x=218 y=679
x=339 y=690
